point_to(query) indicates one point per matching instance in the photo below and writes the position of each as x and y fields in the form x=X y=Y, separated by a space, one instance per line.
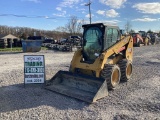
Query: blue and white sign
x=34 y=69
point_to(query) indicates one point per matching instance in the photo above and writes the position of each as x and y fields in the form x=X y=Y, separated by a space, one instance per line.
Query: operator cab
x=97 y=38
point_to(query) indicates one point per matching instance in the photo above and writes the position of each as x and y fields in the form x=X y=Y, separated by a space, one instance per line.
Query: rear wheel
x=126 y=70
x=112 y=74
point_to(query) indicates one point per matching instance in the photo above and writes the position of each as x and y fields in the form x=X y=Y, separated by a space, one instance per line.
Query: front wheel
x=112 y=75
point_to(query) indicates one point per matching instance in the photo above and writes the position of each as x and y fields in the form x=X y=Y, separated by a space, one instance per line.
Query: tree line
x=73 y=27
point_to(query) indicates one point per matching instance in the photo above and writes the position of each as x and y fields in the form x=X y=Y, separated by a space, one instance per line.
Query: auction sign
x=34 y=69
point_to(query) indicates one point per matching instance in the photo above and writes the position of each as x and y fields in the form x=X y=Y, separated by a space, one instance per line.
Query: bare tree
x=149 y=31
x=58 y=33
x=131 y=31
x=74 y=26
x=61 y=29
x=128 y=26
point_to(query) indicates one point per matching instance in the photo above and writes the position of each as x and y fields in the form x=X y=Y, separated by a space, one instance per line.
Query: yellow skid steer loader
x=104 y=60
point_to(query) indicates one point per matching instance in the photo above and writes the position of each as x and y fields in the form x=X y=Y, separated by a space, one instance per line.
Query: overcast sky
x=50 y=14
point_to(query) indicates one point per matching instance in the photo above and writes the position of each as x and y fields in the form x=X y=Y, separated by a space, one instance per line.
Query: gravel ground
x=138 y=99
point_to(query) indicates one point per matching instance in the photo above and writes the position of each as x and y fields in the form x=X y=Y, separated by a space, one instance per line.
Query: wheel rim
x=115 y=77
x=129 y=70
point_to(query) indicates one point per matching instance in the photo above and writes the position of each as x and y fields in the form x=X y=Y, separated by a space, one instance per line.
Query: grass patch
x=17 y=49
x=44 y=48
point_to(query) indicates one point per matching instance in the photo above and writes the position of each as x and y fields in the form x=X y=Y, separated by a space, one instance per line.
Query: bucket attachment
x=85 y=88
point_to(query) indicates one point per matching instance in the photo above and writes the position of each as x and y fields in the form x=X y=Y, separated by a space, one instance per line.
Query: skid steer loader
x=104 y=60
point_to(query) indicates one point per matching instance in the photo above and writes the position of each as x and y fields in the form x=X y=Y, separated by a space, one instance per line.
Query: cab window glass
x=115 y=36
x=93 y=40
x=111 y=36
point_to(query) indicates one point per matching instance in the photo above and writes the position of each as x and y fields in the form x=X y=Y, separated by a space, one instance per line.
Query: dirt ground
x=138 y=99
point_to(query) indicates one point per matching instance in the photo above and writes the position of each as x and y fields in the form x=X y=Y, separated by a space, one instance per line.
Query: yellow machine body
x=98 y=65
x=86 y=80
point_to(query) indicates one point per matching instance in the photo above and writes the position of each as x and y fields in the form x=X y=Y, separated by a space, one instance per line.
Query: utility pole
x=88 y=4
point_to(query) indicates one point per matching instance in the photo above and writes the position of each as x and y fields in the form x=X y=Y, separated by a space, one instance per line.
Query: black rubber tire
x=112 y=75
x=126 y=70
